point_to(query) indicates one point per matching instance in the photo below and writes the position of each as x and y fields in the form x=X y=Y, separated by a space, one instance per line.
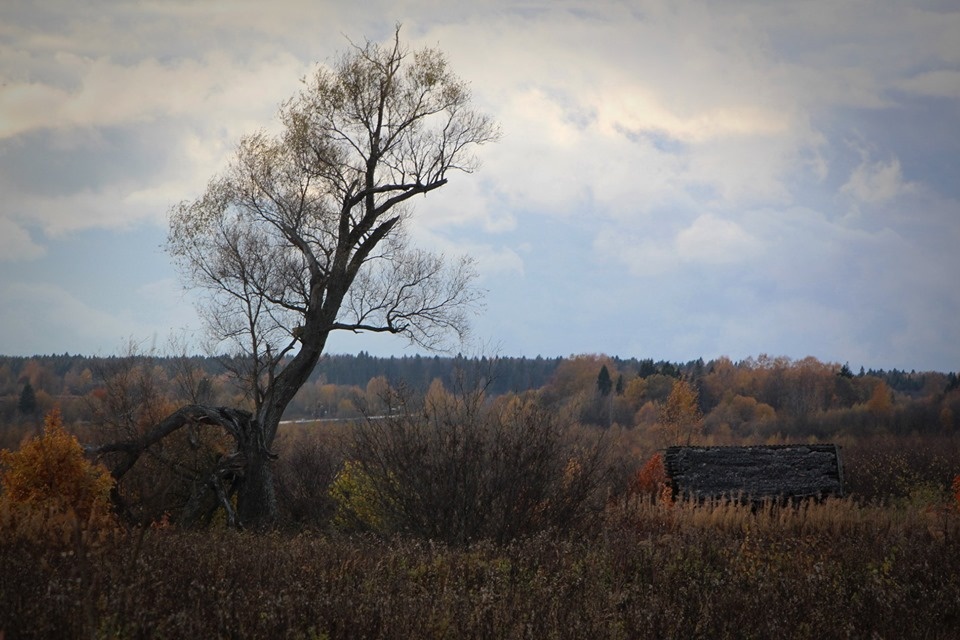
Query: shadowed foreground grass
x=836 y=570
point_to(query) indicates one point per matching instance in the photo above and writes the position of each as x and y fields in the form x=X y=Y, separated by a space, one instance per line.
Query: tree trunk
x=256 y=499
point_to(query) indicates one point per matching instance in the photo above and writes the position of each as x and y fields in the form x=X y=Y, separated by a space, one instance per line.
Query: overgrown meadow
x=641 y=566
x=834 y=570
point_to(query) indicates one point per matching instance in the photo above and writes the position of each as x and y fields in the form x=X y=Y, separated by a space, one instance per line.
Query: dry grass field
x=833 y=570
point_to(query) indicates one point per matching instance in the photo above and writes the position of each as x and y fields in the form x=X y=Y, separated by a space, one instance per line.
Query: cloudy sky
x=676 y=179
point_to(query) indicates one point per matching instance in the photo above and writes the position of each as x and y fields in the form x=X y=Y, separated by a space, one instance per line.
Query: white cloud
x=943 y=83
x=495 y=261
x=467 y=200
x=583 y=99
x=196 y=109
x=643 y=255
x=233 y=93
x=649 y=252
x=622 y=120
x=41 y=317
x=491 y=260
x=113 y=207
x=713 y=240
x=16 y=243
x=876 y=181
x=166 y=292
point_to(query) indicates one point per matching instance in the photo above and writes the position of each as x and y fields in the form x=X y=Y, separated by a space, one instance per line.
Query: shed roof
x=781 y=471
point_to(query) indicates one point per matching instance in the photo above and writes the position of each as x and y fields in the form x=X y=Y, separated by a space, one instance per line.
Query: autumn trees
x=304 y=234
x=753 y=401
x=681 y=420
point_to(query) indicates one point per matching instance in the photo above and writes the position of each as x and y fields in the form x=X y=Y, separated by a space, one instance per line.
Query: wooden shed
x=782 y=472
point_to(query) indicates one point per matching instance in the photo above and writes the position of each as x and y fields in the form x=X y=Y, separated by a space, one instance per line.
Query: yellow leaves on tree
x=680 y=418
x=49 y=484
x=880 y=403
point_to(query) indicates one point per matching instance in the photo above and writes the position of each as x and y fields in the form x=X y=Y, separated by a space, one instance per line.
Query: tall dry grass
x=833 y=570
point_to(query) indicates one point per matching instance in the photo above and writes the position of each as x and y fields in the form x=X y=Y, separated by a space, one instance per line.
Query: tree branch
x=234 y=421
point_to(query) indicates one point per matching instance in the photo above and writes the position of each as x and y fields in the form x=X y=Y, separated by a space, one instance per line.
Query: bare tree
x=303 y=235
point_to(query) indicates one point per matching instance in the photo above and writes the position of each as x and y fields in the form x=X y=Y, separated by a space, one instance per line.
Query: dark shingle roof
x=782 y=471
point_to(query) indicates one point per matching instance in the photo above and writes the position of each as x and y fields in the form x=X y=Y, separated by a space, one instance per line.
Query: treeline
x=757 y=399
x=76 y=374
x=64 y=378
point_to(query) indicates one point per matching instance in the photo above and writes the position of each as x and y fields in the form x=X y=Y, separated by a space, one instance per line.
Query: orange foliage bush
x=50 y=488
x=652 y=479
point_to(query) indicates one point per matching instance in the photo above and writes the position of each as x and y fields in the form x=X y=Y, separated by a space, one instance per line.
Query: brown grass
x=833 y=570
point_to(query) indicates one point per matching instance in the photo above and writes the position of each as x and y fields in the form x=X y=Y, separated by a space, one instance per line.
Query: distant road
x=308 y=420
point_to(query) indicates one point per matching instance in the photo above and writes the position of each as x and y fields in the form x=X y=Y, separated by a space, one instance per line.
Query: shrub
x=49 y=485
x=357 y=499
x=893 y=467
x=457 y=469
x=305 y=470
x=651 y=479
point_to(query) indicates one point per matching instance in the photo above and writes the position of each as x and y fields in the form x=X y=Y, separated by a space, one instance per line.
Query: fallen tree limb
x=235 y=421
